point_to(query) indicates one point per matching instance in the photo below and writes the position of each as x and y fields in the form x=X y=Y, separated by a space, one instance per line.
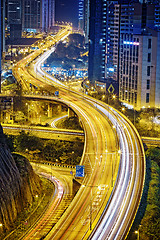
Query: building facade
x=31 y=15
x=81 y=15
x=112 y=40
x=138 y=60
x=97 y=40
x=140 y=74
x=38 y=15
x=14 y=11
x=86 y=19
x=119 y=34
x=48 y=14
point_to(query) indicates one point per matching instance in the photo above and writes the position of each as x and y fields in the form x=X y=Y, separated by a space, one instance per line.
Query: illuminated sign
x=111 y=89
x=79 y=171
x=56 y=93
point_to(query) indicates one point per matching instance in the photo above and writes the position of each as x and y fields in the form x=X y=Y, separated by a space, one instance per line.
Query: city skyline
x=79 y=119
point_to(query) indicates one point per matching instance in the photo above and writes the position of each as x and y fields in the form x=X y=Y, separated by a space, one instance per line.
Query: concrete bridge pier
x=70 y=113
x=49 y=110
x=59 y=108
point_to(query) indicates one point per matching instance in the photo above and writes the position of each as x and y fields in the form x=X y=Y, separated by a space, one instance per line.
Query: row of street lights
x=99 y=187
x=91 y=186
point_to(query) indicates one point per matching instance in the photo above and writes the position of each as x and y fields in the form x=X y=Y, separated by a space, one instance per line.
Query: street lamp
x=137 y=232
x=123 y=109
x=103 y=97
x=91 y=202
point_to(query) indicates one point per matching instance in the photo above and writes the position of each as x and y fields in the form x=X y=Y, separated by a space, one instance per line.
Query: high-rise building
x=86 y=19
x=31 y=15
x=104 y=37
x=3 y=26
x=120 y=19
x=1 y=37
x=38 y=15
x=112 y=40
x=157 y=17
x=81 y=15
x=48 y=14
x=118 y=37
x=139 y=71
x=139 y=84
x=14 y=11
x=35 y=16
x=14 y=18
x=97 y=40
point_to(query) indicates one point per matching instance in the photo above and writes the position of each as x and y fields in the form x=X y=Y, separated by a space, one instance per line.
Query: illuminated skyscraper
x=112 y=40
x=139 y=58
x=81 y=15
x=14 y=18
x=38 y=15
x=97 y=40
x=48 y=14
x=31 y=15
x=14 y=11
x=3 y=25
x=118 y=54
x=86 y=19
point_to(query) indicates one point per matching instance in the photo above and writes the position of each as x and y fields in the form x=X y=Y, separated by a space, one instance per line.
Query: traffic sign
x=79 y=171
x=56 y=93
x=111 y=89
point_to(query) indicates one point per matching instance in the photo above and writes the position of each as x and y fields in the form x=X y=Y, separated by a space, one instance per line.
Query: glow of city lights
x=131 y=43
x=111 y=69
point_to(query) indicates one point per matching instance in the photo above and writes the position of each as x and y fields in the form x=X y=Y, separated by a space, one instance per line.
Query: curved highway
x=108 y=199
x=62 y=180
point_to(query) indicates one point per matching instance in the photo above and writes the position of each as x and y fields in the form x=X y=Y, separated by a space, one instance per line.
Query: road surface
x=108 y=199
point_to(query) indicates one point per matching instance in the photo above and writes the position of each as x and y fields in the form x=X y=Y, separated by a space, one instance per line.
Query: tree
x=52 y=150
x=60 y=50
x=27 y=141
x=153 y=154
x=64 y=158
x=76 y=39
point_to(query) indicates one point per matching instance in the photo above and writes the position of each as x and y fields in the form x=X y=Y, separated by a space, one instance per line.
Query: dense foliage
x=49 y=150
x=70 y=123
x=67 y=53
x=153 y=153
x=148 y=217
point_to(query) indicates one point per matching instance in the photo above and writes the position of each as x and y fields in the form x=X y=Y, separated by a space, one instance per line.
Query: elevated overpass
x=114 y=160
x=44 y=132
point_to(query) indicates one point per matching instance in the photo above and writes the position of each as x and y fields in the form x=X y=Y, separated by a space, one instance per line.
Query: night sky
x=67 y=10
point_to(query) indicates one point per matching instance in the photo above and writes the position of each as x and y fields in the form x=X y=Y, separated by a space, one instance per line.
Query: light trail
x=115 y=218
x=56 y=120
x=117 y=207
x=38 y=129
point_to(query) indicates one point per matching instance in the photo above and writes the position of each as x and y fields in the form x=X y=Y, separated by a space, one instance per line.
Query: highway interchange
x=114 y=160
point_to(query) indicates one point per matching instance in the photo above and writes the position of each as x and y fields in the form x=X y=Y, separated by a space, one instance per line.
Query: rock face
x=18 y=185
